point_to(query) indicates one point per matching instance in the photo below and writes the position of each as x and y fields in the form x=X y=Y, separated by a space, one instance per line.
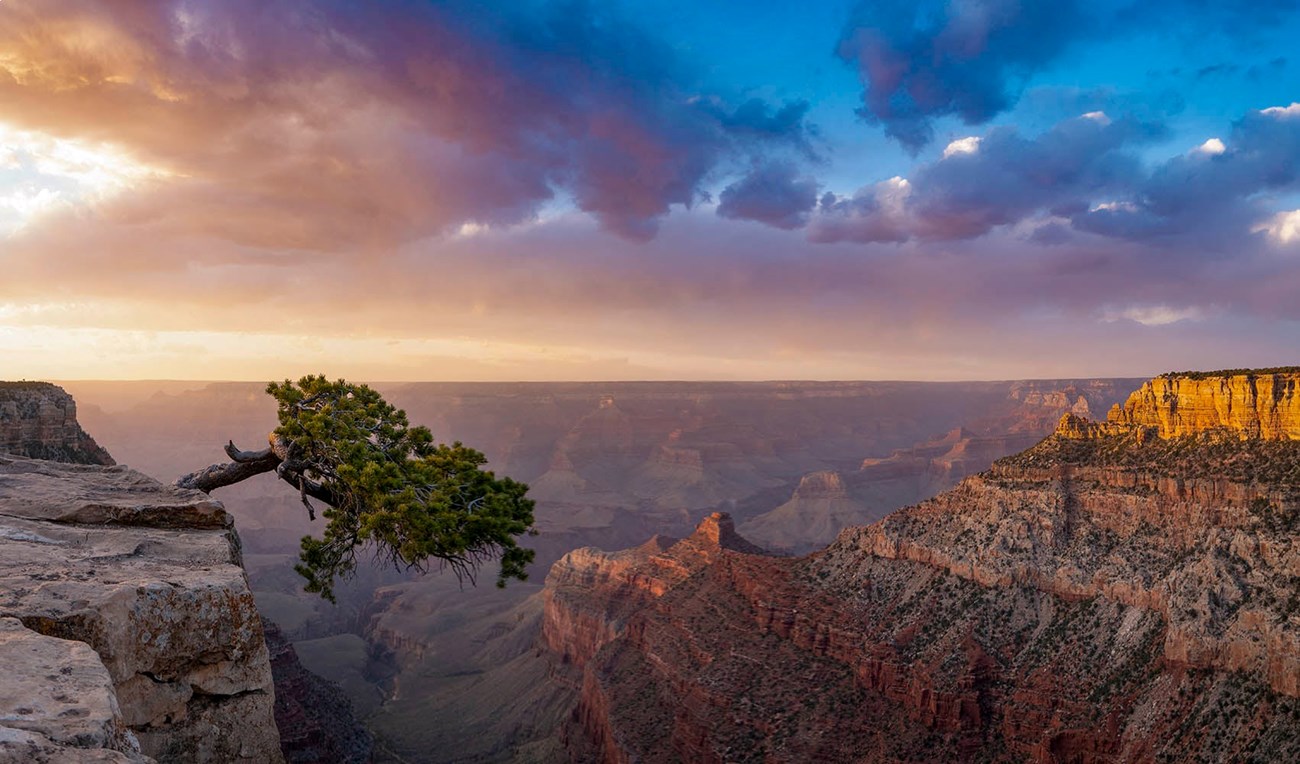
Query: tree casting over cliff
x=383 y=481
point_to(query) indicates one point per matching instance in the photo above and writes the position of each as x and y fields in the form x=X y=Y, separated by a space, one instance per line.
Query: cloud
x=1086 y=171
x=873 y=214
x=388 y=120
x=1283 y=227
x=759 y=118
x=968 y=145
x=1212 y=146
x=708 y=297
x=440 y=176
x=772 y=193
x=1210 y=198
x=1153 y=315
x=923 y=60
x=1000 y=178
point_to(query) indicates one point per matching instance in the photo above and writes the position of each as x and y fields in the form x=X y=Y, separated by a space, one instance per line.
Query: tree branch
x=246 y=464
x=245 y=456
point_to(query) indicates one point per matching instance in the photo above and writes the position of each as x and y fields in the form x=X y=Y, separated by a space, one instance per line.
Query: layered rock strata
x=1112 y=594
x=827 y=502
x=39 y=420
x=149 y=578
x=590 y=594
x=1251 y=404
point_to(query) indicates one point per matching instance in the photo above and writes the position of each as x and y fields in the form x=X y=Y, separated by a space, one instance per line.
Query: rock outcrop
x=1097 y=598
x=1250 y=404
x=57 y=701
x=39 y=420
x=115 y=569
x=589 y=593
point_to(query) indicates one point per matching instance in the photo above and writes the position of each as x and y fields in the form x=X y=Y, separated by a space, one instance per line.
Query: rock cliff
x=129 y=598
x=1101 y=597
x=1251 y=404
x=57 y=701
x=39 y=420
x=590 y=593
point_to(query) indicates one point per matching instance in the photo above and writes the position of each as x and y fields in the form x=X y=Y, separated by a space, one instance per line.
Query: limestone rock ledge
x=150 y=578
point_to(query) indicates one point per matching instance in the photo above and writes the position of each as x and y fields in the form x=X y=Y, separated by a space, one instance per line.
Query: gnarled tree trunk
x=277 y=458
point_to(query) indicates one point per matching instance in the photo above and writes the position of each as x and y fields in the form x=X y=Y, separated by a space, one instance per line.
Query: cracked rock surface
x=146 y=580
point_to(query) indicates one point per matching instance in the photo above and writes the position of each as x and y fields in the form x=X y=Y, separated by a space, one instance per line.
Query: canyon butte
x=1124 y=591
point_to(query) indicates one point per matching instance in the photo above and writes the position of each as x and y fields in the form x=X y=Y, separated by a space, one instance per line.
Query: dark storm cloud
x=934 y=58
x=772 y=193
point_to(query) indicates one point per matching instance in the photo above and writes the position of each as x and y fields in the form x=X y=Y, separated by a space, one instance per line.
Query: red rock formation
x=1098 y=598
x=589 y=593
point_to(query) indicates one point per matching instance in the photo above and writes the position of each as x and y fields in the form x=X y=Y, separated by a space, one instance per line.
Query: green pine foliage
x=417 y=503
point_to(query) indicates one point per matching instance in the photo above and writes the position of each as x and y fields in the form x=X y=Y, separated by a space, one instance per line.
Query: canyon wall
x=826 y=502
x=141 y=587
x=314 y=716
x=39 y=420
x=1103 y=596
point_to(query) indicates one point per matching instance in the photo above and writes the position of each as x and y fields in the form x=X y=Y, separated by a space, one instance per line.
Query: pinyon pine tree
x=384 y=484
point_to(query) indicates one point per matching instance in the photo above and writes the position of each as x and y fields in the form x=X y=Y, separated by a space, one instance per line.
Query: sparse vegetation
x=23 y=386
x=1230 y=373
x=1219 y=455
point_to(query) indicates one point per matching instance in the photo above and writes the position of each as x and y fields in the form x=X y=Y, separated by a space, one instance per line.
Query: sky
x=534 y=190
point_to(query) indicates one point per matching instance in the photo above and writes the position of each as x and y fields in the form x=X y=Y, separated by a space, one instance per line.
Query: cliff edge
x=127 y=626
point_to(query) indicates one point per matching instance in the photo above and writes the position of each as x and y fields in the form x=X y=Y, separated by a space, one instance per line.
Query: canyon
x=1121 y=590
x=445 y=673
x=128 y=630
x=39 y=420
